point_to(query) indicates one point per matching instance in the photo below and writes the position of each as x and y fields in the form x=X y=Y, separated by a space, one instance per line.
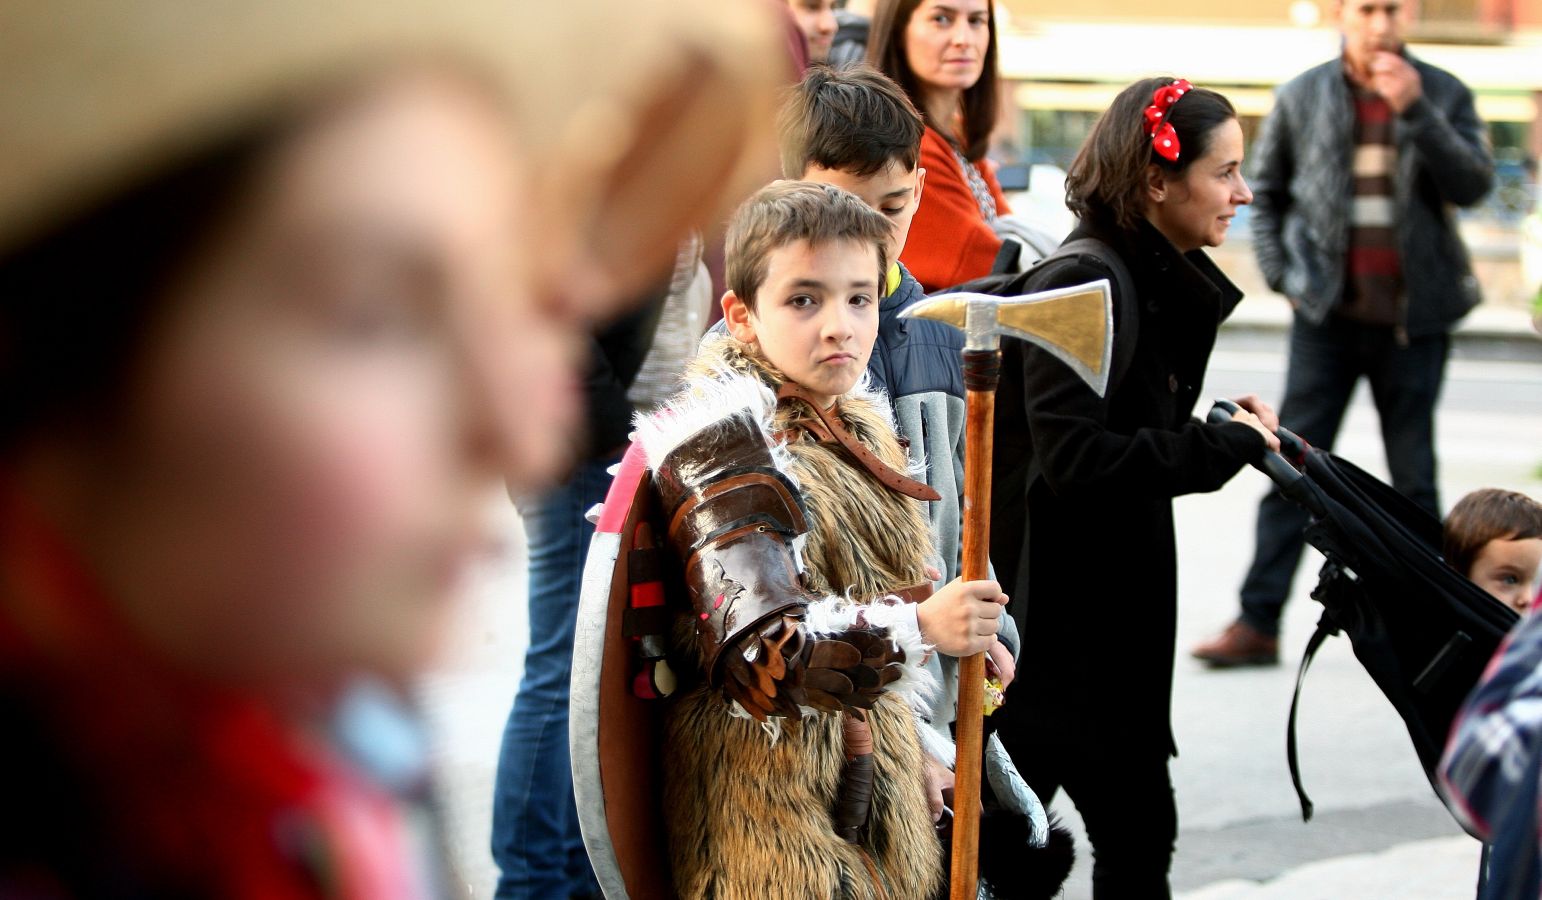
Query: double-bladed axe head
x=1076 y=324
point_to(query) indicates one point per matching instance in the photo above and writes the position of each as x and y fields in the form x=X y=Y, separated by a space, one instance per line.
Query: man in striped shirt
x=1355 y=175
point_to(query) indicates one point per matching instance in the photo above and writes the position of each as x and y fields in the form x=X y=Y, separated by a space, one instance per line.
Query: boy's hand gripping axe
x=1076 y=325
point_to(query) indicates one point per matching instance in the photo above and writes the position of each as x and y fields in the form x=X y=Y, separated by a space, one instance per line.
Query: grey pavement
x=1379 y=830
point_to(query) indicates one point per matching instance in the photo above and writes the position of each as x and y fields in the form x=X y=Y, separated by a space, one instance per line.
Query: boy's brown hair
x=853 y=119
x=1487 y=515
x=785 y=212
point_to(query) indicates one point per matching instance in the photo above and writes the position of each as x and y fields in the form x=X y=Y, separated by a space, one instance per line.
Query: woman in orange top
x=943 y=53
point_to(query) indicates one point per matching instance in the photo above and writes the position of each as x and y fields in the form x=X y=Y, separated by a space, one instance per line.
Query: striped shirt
x=1374 y=275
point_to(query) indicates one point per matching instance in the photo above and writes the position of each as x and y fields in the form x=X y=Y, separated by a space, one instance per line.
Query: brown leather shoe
x=1239 y=645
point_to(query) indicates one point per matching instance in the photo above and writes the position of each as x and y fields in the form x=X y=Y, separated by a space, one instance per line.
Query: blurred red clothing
x=950 y=240
x=126 y=778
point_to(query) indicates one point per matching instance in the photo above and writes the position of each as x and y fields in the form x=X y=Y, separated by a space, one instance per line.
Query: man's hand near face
x=1396 y=80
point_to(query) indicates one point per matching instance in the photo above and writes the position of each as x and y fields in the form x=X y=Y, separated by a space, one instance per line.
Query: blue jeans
x=1325 y=363
x=535 y=837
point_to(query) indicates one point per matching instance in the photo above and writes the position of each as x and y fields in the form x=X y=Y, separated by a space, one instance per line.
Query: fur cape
x=748 y=809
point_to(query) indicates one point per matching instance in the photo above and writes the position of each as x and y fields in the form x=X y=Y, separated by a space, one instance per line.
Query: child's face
x=1508 y=570
x=314 y=435
x=816 y=314
x=816 y=19
x=893 y=190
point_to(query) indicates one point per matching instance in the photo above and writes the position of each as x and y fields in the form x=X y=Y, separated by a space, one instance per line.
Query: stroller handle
x=1281 y=471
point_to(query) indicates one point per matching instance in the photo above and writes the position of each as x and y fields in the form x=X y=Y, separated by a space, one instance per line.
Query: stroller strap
x=1325 y=627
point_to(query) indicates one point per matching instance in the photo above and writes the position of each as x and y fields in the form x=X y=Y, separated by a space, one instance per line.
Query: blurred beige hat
x=607 y=95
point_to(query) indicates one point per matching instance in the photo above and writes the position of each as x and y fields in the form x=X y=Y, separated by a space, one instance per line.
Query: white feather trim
x=835 y=615
x=936 y=744
x=705 y=402
x=772 y=726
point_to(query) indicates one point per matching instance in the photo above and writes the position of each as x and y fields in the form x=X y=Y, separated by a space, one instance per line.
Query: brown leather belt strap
x=891 y=479
x=915 y=593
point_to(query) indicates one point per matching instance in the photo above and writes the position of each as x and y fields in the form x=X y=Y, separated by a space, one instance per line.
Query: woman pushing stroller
x=1158 y=180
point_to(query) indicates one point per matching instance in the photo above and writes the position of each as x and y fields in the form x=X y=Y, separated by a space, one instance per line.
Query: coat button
x=1172 y=383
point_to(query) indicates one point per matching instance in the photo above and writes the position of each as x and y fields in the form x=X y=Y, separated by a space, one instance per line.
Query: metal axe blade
x=1075 y=324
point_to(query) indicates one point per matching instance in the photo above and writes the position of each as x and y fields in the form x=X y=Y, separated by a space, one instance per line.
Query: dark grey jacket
x=1303 y=183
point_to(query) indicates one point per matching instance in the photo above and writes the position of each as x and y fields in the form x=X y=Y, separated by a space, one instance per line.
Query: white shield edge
x=584 y=711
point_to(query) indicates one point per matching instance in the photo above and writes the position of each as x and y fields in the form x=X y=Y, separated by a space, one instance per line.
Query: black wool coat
x=1081 y=517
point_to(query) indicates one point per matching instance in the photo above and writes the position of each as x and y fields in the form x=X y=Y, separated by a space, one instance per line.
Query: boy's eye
x=800 y=301
x=861 y=300
x=892 y=212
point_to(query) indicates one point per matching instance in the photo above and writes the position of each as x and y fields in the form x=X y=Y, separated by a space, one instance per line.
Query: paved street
x=1378 y=832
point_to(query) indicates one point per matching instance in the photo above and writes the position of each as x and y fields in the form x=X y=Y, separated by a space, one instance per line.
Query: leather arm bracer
x=733 y=516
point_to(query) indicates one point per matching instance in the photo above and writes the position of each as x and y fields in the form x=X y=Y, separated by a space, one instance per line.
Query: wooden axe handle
x=982 y=369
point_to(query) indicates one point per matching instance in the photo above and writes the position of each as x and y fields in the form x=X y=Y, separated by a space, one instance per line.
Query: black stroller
x=1422 y=631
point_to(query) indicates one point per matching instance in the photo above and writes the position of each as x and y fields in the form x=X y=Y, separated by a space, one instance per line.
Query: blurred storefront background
x=1064 y=63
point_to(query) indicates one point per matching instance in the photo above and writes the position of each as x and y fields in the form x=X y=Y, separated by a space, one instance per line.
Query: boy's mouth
x=839 y=358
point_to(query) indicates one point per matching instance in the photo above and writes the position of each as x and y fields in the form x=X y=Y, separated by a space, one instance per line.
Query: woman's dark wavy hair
x=1108 y=177
x=886 y=53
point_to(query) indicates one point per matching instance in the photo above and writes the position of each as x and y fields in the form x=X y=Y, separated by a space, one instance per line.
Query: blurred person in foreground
x=1357 y=171
x=634 y=364
x=283 y=297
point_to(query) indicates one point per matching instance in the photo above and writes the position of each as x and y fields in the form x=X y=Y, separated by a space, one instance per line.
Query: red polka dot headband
x=1164 y=140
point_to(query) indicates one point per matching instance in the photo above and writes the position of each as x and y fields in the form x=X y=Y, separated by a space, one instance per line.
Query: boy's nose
x=838 y=324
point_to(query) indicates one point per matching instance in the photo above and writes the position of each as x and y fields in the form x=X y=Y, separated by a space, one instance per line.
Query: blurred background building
x=1065 y=62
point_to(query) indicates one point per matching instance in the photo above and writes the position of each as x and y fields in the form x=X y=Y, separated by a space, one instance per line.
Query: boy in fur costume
x=795 y=766
x=857 y=130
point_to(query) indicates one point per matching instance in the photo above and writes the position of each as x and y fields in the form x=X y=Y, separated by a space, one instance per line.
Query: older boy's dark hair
x=852 y=119
x=788 y=211
x=886 y=53
x=1486 y=515
x=1108 y=177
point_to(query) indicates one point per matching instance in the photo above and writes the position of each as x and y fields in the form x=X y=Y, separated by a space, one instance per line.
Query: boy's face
x=816 y=314
x=1508 y=570
x=893 y=190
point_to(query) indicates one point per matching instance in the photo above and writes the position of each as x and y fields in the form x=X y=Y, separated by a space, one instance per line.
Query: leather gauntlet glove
x=733 y=516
